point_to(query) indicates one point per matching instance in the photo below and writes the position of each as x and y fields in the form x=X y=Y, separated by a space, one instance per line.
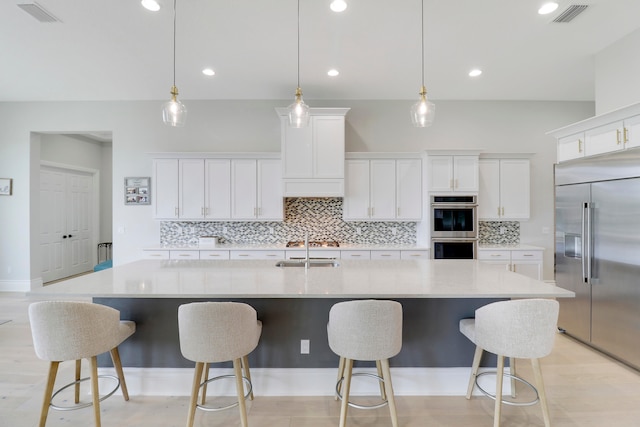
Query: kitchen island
x=293 y=304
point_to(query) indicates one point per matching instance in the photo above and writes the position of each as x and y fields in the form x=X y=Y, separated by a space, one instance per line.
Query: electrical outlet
x=358 y=230
x=270 y=230
x=503 y=230
x=394 y=231
x=304 y=346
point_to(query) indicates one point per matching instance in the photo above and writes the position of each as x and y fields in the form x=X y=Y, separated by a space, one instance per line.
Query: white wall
x=617 y=74
x=254 y=126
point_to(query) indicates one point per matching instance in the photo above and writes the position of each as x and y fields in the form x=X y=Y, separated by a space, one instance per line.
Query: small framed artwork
x=137 y=191
x=6 y=186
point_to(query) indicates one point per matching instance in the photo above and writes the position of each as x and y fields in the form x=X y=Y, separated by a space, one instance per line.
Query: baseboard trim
x=298 y=382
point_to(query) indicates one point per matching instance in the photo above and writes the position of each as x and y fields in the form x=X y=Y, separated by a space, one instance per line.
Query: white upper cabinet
x=614 y=131
x=218 y=189
x=164 y=188
x=313 y=157
x=504 y=192
x=191 y=193
x=383 y=190
x=453 y=173
x=256 y=190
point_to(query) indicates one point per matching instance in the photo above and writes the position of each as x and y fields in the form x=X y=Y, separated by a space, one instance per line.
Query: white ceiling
x=117 y=50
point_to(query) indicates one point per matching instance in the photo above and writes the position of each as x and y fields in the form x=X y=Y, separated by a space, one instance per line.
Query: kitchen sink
x=312 y=263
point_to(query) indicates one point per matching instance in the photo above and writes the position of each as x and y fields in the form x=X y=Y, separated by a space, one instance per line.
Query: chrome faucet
x=306 y=246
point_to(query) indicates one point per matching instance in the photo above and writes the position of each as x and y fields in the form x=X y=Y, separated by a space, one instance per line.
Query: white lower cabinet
x=526 y=262
x=155 y=254
x=184 y=254
x=414 y=254
x=313 y=253
x=213 y=254
x=259 y=254
x=355 y=254
x=385 y=254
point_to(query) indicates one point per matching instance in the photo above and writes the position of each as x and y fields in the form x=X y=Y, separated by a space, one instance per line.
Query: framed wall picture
x=6 y=186
x=137 y=191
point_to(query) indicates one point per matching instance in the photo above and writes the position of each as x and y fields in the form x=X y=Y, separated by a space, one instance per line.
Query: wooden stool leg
x=512 y=371
x=499 y=378
x=340 y=376
x=94 y=389
x=205 y=377
x=195 y=388
x=77 y=386
x=474 y=370
x=48 y=391
x=117 y=364
x=237 y=367
x=346 y=387
x=537 y=371
x=386 y=374
x=383 y=394
x=247 y=373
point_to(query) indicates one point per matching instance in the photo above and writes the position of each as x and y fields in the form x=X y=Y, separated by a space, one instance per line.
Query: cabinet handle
x=579 y=146
x=414 y=255
x=385 y=255
x=372 y=211
x=243 y=254
x=503 y=211
x=398 y=212
x=355 y=255
x=527 y=254
x=183 y=255
x=177 y=212
x=451 y=184
x=214 y=255
x=498 y=210
x=255 y=212
x=155 y=255
x=271 y=255
x=456 y=184
x=618 y=136
x=496 y=255
x=626 y=135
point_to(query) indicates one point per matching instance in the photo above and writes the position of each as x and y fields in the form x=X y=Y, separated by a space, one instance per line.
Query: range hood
x=313 y=157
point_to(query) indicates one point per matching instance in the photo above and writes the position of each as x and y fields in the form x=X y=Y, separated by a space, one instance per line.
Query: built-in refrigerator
x=598 y=252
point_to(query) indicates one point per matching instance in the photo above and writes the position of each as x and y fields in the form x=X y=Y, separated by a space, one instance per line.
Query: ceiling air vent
x=38 y=12
x=571 y=12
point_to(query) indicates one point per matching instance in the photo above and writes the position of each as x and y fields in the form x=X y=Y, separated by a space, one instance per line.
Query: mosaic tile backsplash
x=321 y=217
x=489 y=233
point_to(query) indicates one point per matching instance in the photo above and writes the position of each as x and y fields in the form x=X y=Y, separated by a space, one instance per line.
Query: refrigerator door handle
x=586 y=243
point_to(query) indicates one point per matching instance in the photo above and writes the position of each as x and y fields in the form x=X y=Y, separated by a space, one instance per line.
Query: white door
x=66 y=241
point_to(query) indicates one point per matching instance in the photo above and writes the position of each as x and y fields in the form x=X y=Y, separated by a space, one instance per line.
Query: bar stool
x=74 y=330
x=218 y=332
x=367 y=330
x=523 y=329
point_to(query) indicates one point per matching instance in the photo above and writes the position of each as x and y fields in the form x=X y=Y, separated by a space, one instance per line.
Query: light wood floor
x=585 y=389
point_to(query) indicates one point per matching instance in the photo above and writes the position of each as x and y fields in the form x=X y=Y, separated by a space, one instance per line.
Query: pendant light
x=174 y=113
x=298 y=112
x=423 y=111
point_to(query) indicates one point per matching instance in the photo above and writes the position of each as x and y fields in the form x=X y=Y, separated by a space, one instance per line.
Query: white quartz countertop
x=262 y=279
x=517 y=247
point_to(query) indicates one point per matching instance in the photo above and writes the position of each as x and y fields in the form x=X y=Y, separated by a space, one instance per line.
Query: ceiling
x=117 y=50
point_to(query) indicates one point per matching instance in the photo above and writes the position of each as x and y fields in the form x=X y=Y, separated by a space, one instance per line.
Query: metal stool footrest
x=509 y=402
x=354 y=405
x=82 y=405
x=233 y=405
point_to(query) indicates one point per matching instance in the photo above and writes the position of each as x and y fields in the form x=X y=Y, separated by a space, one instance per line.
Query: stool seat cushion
x=71 y=330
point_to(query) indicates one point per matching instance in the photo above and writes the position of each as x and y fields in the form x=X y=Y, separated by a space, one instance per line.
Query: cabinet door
x=528 y=263
x=165 y=188
x=515 y=188
x=217 y=189
x=571 y=147
x=269 y=193
x=409 y=189
x=191 y=194
x=356 y=193
x=243 y=189
x=489 y=189
x=440 y=173
x=604 y=139
x=382 y=194
x=465 y=173
x=296 y=150
x=632 y=132
x=328 y=146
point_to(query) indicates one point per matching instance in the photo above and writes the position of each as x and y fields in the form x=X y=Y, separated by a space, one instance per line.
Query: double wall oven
x=454 y=227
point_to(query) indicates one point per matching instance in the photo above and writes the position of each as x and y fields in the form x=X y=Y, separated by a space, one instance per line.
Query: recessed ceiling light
x=151 y=5
x=475 y=72
x=338 y=5
x=208 y=72
x=547 y=8
x=333 y=72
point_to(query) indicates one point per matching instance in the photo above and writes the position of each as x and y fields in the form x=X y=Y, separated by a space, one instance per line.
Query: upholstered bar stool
x=74 y=330
x=522 y=329
x=367 y=330
x=218 y=332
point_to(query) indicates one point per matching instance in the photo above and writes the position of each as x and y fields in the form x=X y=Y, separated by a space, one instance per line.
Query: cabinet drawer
x=414 y=254
x=256 y=254
x=314 y=253
x=184 y=254
x=385 y=254
x=355 y=254
x=214 y=254
x=155 y=254
x=526 y=255
x=494 y=255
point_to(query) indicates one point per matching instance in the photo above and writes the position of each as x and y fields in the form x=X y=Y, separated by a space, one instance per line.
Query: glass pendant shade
x=174 y=113
x=298 y=112
x=423 y=112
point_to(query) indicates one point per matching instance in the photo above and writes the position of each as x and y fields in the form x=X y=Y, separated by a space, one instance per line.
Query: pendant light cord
x=298 y=43
x=422 y=39
x=174 y=42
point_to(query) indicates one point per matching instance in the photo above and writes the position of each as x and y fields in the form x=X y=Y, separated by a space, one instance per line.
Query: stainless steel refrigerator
x=598 y=252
